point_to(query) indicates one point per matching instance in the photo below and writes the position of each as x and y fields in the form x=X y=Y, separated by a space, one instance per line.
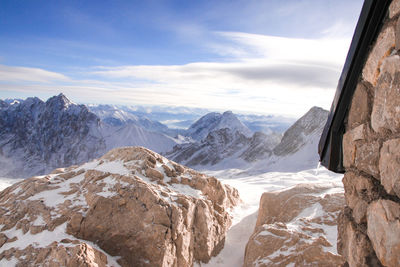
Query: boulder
x=124 y=204
x=296 y=227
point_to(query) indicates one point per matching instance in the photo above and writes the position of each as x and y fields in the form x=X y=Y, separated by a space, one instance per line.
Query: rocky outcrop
x=64 y=253
x=296 y=226
x=131 y=206
x=369 y=225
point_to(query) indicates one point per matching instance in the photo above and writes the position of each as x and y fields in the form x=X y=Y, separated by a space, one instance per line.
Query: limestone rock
x=296 y=226
x=385 y=112
x=394 y=8
x=359 y=192
x=382 y=48
x=353 y=244
x=384 y=231
x=58 y=254
x=389 y=166
x=349 y=144
x=360 y=107
x=398 y=29
x=124 y=203
x=367 y=157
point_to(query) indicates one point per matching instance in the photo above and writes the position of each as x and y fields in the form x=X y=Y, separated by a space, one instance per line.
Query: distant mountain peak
x=60 y=100
x=215 y=121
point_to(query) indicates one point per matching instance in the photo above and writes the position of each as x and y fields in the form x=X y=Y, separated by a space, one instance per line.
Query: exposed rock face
x=229 y=147
x=38 y=136
x=68 y=253
x=225 y=145
x=296 y=226
x=216 y=121
x=369 y=226
x=131 y=203
x=295 y=137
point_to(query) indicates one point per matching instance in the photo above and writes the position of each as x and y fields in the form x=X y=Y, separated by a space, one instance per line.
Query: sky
x=276 y=57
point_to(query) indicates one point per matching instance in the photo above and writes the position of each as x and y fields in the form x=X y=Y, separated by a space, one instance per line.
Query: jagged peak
x=315 y=109
x=60 y=100
x=29 y=101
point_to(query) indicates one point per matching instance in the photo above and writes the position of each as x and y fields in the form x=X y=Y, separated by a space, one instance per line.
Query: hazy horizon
x=254 y=57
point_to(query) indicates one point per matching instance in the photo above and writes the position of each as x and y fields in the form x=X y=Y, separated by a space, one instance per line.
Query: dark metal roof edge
x=369 y=23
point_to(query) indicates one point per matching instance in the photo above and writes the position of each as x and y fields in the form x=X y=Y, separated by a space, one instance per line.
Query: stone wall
x=369 y=225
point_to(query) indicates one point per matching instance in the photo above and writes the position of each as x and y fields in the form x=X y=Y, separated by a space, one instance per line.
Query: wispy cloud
x=24 y=74
x=273 y=75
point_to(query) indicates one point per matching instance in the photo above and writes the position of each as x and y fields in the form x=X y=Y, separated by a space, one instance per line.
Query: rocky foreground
x=296 y=227
x=131 y=207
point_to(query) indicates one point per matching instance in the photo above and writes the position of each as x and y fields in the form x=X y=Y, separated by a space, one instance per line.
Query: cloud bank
x=258 y=73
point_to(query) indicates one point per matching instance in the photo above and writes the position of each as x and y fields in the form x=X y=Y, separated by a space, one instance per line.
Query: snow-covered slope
x=38 y=136
x=216 y=121
x=251 y=187
x=123 y=115
x=225 y=148
x=228 y=148
x=298 y=149
x=133 y=135
x=309 y=125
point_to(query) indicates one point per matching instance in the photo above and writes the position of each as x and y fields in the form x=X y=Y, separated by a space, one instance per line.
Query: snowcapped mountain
x=230 y=148
x=298 y=149
x=216 y=121
x=227 y=142
x=123 y=115
x=297 y=135
x=134 y=135
x=38 y=136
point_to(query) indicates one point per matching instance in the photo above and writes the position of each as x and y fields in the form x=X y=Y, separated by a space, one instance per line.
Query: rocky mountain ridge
x=215 y=121
x=38 y=136
x=230 y=148
x=131 y=207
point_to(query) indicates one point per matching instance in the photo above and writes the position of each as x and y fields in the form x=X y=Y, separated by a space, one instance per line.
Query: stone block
x=360 y=107
x=367 y=157
x=397 y=34
x=360 y=211
x=394 y=8
x=381 y=49
x=384 y=231
x=349 y=146
x=386 y=109
x=353 y=244
x=389 y=166
x=358 y=188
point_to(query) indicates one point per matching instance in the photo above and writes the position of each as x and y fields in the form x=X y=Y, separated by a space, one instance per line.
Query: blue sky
x=271 y=57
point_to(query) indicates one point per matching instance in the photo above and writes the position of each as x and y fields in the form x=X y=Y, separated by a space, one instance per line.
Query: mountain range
x=234 y=147
x=37 y=137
